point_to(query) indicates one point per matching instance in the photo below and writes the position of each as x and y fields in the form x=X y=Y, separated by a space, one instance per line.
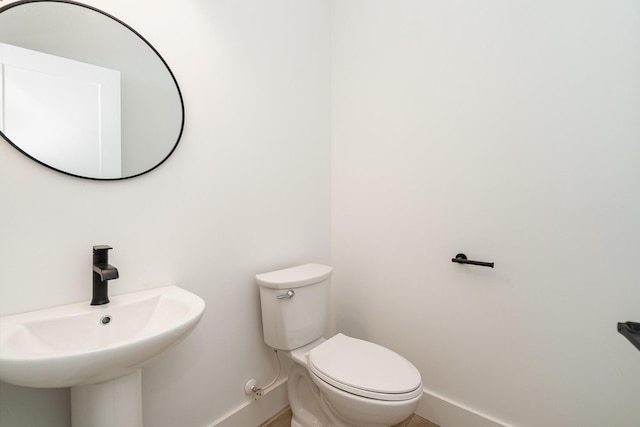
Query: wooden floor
x=283 y=419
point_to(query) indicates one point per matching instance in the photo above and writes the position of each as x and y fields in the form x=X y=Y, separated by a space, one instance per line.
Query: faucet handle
x=101 y=254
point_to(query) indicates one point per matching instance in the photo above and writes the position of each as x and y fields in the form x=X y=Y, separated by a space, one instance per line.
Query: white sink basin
x=75 y=345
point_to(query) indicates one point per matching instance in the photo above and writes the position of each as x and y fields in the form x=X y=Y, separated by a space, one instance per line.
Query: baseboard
x=433 y=407
x=255 y=412
x=447 y=413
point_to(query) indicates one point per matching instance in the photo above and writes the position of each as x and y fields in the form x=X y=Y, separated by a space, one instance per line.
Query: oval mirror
x=83 y=93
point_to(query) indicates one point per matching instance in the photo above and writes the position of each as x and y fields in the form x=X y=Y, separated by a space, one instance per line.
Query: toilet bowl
x=340 y=381
x=358 y=383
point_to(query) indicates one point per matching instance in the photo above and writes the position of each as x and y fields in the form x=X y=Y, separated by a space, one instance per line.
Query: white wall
x=509 y=131
x=246 y=191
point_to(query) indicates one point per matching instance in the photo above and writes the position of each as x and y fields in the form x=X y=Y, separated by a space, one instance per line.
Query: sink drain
x=105 y=320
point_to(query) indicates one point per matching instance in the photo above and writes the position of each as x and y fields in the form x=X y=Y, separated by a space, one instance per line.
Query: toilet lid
x=365 y=369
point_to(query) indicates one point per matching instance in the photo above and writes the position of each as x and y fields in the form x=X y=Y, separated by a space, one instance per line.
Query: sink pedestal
x=117 y=402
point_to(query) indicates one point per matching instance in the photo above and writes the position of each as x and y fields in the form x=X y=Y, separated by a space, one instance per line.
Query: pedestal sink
x=98 y=351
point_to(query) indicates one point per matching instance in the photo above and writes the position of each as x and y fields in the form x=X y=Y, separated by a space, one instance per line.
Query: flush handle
x=288 y=295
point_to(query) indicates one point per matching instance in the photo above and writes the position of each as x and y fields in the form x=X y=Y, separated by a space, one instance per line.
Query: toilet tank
x=295 y=305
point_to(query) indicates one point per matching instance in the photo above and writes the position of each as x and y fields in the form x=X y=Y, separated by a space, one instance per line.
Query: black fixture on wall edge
x=462 y=259
x=631 y=331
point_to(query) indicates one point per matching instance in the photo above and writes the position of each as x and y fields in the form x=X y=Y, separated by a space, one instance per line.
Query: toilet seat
x=365 y=369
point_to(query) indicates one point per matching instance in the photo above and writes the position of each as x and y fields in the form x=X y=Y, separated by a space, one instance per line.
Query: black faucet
x=102 y=272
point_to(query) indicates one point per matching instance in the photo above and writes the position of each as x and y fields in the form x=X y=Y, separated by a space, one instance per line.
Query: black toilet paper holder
x=462 y=259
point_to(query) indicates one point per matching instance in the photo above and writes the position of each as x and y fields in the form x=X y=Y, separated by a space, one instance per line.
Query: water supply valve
x=251 y=388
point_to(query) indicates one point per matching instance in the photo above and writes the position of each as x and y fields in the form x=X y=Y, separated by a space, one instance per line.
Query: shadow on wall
x=350 y=323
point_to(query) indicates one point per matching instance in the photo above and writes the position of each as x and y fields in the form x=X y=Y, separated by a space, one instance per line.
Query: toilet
x=340 y=381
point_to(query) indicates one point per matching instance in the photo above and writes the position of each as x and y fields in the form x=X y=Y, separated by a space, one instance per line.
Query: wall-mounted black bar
x=462 y=259
x=631 y=331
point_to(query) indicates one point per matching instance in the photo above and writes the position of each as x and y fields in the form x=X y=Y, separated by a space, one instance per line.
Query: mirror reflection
x=83 y=93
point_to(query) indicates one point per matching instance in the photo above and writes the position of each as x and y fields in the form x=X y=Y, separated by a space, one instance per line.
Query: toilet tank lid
x=294 y=277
